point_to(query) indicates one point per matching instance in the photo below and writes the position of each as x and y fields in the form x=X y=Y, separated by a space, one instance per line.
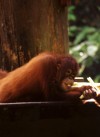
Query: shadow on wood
x=49 y=119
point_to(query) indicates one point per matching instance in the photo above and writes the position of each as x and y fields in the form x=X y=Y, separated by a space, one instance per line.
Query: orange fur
x=3 y=74
x=38 y=80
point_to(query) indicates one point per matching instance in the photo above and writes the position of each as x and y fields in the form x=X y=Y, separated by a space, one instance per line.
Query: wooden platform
x=49 y=119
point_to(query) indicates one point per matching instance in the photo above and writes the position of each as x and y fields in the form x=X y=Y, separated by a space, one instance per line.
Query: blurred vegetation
x=85 y=45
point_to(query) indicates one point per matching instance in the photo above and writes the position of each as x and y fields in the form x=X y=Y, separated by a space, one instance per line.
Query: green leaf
x=83 y=32
x=71 y=17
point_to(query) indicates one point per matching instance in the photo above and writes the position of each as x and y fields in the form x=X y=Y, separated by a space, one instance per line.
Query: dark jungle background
x=84 y=36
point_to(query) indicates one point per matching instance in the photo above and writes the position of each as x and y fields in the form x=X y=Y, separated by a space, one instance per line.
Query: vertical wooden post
x=29 y=27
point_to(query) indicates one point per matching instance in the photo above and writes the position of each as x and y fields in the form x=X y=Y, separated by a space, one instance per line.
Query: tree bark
x=29 y=27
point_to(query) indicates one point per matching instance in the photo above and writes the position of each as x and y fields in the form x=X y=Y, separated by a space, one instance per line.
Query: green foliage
x=85 y=44
x=82 y=34
x=86 y=53
x=71 y=16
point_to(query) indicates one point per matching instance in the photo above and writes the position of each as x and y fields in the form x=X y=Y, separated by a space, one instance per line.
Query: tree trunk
x=29 y=27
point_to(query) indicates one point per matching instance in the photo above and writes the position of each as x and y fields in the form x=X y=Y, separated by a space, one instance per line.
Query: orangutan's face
x=68 y=80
